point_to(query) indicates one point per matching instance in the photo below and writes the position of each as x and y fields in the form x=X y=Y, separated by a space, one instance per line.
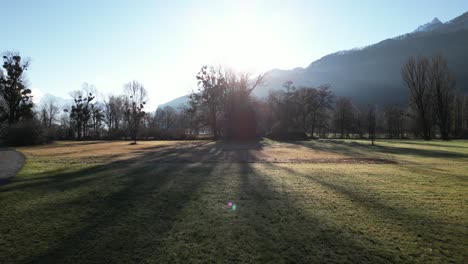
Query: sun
x=245 y=36
x=246 y=44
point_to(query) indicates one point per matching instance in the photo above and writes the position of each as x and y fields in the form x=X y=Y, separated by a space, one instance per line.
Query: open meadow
x=168 y=201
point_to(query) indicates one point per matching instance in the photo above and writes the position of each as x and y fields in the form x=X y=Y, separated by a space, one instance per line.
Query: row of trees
x=126 y=111
x=114 y=117
x=292 y=113
x=223 y=107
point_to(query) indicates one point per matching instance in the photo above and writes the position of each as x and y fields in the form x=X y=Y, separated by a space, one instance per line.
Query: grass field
x=299 y=202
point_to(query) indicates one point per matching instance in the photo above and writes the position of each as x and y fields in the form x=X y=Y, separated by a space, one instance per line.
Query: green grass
x=71 y=203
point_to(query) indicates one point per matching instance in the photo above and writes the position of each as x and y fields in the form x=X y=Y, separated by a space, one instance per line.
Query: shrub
x=25 y=133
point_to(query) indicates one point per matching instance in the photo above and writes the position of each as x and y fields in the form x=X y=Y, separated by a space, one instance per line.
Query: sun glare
x=247 y=45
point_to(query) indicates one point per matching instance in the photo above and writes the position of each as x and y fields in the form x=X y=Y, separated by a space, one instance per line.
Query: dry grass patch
x=265 y=151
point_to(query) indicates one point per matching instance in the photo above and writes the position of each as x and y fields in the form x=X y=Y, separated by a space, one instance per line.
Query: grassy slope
x=69 y=204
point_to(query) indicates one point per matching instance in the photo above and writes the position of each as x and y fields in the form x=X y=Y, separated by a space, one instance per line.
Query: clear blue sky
x=163 y=43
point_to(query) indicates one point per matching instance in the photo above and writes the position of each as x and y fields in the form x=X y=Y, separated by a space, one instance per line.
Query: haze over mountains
x=372 y=74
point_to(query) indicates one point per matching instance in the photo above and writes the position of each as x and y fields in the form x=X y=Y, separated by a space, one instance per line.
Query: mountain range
x=372 y=74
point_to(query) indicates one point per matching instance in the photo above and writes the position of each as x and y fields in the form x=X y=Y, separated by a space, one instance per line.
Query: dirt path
x=11 y=162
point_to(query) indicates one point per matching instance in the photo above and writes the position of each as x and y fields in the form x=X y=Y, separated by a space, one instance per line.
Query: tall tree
x=49 y=112
x=394 y=119
x=343 y=116
x=239 y=115
x=114 y=114
x=360 y=120
x=80 y=112
x=136 y=98
x=16 y=97
x=464 y=118
x=442 y=87
x=165 y=118
x=207 y=104
x=320 y=105
x=97 y=118
x=415 y=74
x=286 y=109
x=306 y=102
x=289 y=106
x=458 y=114
x=371 y=122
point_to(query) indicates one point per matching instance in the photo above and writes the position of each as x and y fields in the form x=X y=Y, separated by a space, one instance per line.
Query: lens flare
x=232 y=205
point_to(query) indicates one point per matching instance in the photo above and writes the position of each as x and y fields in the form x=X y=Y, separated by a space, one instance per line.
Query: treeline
x=222 y=107
x=113 y=117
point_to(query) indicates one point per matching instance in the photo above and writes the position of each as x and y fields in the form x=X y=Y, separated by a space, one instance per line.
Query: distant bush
x=26 y=133
x=280 y=134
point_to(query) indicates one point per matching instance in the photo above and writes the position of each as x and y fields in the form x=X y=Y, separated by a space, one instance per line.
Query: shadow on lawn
x=126 y=211
x=357 y=148
x=61 y=179
x=280 y=231
x=129 y=224
x=432 y=143
x=113 y=212
x=424 y=229
x=71 y=144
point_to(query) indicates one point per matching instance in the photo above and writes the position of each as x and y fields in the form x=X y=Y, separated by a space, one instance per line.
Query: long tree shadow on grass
x=135 y=210
x=113 y=212
x=432 y=143
x=274 y=228
x=71 y=144
x=61 y=179
x=129 y=225
x=117 y=212
x=359 y=149
x=423 y=228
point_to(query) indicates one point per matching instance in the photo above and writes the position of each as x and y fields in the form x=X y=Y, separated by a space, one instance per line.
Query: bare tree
x=459 y=112
x=136 y=98
x=239 y=115
x=442 y=87
x=321 y=104
x=49 y=112
x=306 y=102
x=288 y=111
x=97 y=118
x=343 y=116
x=114 y=113
x=360 y=120
x=415 y=74
x=371 y=122
x=276 y=115
x=464 y=118
x=395 y=121
x=289 y=106
x=165 y=118
x=207 y=104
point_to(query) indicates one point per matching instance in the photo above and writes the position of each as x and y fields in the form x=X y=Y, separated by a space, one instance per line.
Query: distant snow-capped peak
x=435 y=23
